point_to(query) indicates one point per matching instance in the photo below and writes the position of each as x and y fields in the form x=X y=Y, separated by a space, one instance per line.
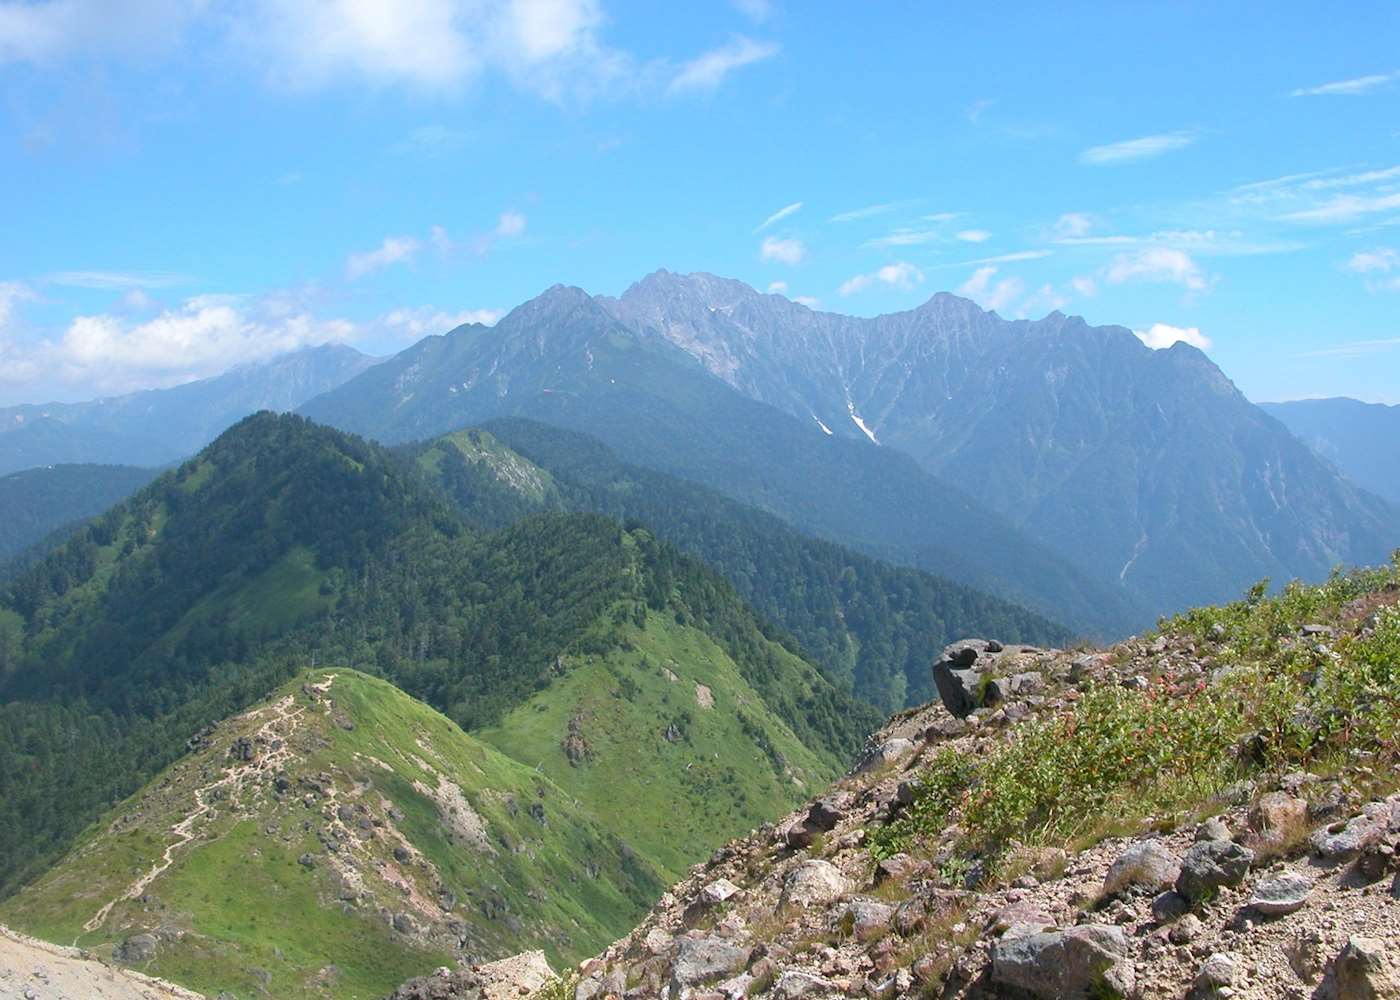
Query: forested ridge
x=874 y=626
x=286 y=542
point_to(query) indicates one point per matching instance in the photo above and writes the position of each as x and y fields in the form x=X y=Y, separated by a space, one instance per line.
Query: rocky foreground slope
x=1206 y=812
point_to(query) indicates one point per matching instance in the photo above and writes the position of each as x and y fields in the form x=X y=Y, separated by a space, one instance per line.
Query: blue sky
x=189 y=185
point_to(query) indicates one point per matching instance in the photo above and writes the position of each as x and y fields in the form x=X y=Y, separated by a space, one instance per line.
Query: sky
x=187 y=186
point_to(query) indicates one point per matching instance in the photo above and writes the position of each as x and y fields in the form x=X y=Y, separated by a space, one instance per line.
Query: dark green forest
x=285 y=542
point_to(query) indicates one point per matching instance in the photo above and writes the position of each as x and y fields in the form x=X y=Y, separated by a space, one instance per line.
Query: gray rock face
x=1276 y=896
x=1082 y=961
x=1341 y=841
x=1147 y=864
x=705 y=958
x=867 y=916
x=1211 y=864
x=959 y=674
x=444 y=984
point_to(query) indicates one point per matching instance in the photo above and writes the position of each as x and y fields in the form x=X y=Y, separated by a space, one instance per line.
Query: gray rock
x=444 y=984
x=1274 y=897
x=1211 y=864
x=1213 y=829
x=1185 y=930
x=887 y=752
x=1147 y=864
x=1218 y=970
x=1345 y=840
x=704 y=958
x=825 y=814
x=1168 y=906
x=136 y=949
x=1363 y=971
x=960 y=689
x=794 y=984
x=814 y=883
x=1078 y=962
x=867 y=916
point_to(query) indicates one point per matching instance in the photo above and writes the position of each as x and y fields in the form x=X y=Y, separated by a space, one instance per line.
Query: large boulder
x=1363 y=971
x=958 y=674
x=444 y=984
x=1211 y=864
x=1274 y=897
x=814 y=883
x=702 y=959
x=136 y=949
x=1089 y=960
x=1148 y=864
x=514 y=977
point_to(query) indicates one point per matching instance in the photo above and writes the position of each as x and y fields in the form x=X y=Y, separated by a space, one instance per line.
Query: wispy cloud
x=430 y=140
x=789 y=251
x=1354 y=349
x=1162 y=335
x=1347 y=88
x=511 y=224
x=778 y=216
x=901 y=275
x=1380 y=267
x=973 y=236
x=869 y=211
x=1133 y=150
x=1005 y=258
x=1157 y=264
x=989 y=294
x=424 y=321
x=709 y=69
x=1345 y=208
x=756 y=11
x=116 y=280
x=1072 y=225
x=777 y=288
x=394 y=250
x=905 y=238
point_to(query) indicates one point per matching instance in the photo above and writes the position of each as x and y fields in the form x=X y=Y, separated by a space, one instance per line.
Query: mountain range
x=158 y=426
x=1361 y=439
x=1066 y=466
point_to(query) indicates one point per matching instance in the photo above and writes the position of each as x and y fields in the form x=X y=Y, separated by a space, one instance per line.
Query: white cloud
x=1072 y=225
x=779 y=215
x=901 y=275
x=205 y=336
x=425 y=321
x=974 y=236
x=1161 y=335
x=50 y=30
x=790 y=251
x=1345 y=208
x=1347 y=88
x=989 y=295
x=1084 y=285
x=709 y=69
x=807 y=300
x=11 y=294
x=1157 y=264
x=394 y=250
x=115 y=280
x=1382 y=259
x=757 y=11
x=863 y=213
x=430 y=140
x=1006 y=258
x=1045 y=299
x=510 y=224
x=777 y=287
x=905 y=238
x=1132 y=150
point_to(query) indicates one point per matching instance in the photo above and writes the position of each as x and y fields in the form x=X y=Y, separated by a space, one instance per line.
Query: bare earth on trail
x=36 y=970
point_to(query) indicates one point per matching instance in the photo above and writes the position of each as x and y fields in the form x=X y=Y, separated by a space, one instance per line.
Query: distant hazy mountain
x=37 y=502
x=158 y=426
x=564 y=359
x=1361 y=439
x=1145 y=467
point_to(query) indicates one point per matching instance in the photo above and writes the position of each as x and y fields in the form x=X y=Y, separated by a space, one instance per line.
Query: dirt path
x=236 y=776
x=36 y=970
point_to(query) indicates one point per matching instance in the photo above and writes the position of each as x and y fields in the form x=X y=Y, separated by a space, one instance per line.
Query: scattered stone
x=889 y=752
x=1082 y=961
x=867 y=917
x=1275 y=897
x=1276 y=816
x=825 y=814
x=307 y=860
x=1169 y=906
x=1341 y=841
x=1219 y=970
x=1185 y=930
x=1211 y=864
x=1148 y=864
x=1213 y=829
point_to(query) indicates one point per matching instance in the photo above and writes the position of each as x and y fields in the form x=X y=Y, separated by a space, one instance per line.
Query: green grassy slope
x=665 y=730
x=420 y=843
